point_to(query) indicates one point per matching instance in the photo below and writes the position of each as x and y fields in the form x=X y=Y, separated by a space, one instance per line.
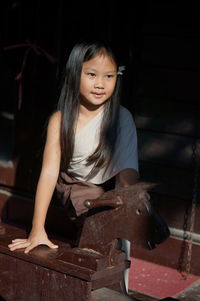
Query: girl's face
x=98 y=79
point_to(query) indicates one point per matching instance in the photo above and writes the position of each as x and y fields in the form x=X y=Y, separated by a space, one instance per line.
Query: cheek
x=112 y=87
x=84 y=85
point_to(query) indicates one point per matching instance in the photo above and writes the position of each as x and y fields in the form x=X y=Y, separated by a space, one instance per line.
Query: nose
x=99 y=83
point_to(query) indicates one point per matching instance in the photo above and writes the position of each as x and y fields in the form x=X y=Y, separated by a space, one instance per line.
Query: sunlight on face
x=98 y=80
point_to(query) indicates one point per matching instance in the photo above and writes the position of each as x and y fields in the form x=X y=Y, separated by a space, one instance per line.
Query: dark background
x=159 y=42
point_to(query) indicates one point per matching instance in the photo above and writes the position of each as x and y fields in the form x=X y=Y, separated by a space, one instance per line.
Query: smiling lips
x=98 y=95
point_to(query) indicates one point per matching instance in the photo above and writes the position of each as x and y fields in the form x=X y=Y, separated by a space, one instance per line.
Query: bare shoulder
x=55 y=121
x=55 y=118
x=53 y=130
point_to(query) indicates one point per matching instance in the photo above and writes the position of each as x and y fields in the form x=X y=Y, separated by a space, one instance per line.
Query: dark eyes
x=91 y=74
x=110 y=75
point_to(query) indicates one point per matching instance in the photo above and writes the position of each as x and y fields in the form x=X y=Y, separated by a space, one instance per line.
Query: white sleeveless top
x=87 y=140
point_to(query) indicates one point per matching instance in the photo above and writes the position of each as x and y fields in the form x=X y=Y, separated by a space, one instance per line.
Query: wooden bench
x=85 y=267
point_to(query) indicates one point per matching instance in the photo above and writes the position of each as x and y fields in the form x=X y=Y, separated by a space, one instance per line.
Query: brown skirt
x=69 y=190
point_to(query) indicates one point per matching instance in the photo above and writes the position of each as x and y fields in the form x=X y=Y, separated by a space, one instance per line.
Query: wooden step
x=106 y=294
x=190 y=294
x=135 y=295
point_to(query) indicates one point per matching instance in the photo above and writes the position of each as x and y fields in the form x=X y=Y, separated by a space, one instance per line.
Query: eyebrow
x=95 y=70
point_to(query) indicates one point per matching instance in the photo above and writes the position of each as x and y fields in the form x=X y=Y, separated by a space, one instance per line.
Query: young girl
x=90 y=138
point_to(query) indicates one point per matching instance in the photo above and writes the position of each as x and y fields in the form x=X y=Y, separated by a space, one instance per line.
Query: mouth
x=98 y=95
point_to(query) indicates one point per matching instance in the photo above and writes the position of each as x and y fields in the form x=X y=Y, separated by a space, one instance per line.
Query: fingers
x=51 y=245
x=18 y=245
x=33 y=245
x=28 y=245
x=18 y=240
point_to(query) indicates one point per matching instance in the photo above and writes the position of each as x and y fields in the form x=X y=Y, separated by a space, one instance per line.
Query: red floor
x=157 y=281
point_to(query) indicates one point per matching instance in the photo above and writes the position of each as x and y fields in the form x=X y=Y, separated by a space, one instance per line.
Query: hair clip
x=120 y=69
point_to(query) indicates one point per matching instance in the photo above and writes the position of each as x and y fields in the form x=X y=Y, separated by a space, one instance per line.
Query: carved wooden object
x=74 y=273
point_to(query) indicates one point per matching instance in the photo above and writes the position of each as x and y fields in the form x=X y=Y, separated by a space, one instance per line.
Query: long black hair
x=69 y=103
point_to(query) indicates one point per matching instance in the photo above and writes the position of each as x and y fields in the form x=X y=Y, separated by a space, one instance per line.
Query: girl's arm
x=127 y=177
x=45 y=188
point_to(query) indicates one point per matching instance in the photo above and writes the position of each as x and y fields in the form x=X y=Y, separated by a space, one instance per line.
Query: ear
x=146 y=185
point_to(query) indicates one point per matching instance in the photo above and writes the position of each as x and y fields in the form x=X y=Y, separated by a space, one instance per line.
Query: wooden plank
x=23 y=281
x=106 y=294
x=141 y=297
x=57 y=259
x=114 y=281
x=42 y=255
x=51 y=262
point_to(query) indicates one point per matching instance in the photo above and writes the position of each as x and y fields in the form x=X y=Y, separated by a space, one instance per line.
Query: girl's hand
x=34 y=240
